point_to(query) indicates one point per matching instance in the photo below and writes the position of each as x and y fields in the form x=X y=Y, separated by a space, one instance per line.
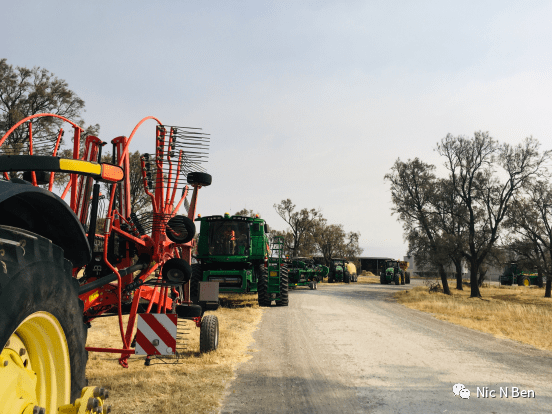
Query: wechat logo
x=460 y=390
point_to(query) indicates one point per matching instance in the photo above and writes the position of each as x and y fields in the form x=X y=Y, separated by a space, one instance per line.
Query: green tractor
x=304 y=272
x=338 y=271
x=395 y=273
x=512 y=274
x=235 y=252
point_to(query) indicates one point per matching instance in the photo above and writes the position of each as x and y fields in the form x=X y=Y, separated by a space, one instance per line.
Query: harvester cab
x=234 y=251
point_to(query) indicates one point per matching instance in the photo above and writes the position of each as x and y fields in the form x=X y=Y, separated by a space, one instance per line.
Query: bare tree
x=529 y=226
x=472 y=164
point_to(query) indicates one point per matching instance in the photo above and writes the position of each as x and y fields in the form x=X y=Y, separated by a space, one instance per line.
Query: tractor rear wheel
x=407 y=277
x=283 y=286
x=263 y=298
x=382 y=280
x=347 y=277
x=209 y=334
x=41 y=325
x=402 y=276
x=396 y=279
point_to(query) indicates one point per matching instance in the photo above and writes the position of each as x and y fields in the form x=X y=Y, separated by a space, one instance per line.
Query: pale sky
x=307 y=100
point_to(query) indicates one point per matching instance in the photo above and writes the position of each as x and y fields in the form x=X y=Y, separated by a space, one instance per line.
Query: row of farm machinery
x=64 y=264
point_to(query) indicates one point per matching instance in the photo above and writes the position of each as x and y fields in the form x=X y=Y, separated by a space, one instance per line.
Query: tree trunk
x=474 y=290
x=443 y=276
x=548 y=287
x=481 y=276
x=459 y=275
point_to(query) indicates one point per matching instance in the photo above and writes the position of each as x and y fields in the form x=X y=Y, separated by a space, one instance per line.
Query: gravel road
x=352 y=349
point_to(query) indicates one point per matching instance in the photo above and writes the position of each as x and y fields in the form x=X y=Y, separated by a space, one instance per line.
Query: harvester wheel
x=263 y=298
x=396 y=279
x=283 y=286
x=524 y=281
x=197 y=276
x=41 y=325
x=209 y=334
x=407 y=277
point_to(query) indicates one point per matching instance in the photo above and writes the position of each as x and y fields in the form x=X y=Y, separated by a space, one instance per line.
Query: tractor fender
x=38 y=210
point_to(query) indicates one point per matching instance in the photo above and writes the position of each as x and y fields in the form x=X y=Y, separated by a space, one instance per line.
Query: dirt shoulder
x=193 y=384
x=517 y=313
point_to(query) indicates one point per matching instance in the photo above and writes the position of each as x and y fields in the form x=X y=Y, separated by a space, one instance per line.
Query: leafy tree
x=329 y=240
x=472 y=164
x=413 y=186
x=301 y=224
x=25 y=92
x=246 y=212
x=140 y=201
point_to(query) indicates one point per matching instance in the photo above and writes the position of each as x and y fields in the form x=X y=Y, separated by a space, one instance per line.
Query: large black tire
x=199 y=178
x=347 y=277
x=180 y=229
x=209 y=334
x=35 y=277
x=382 y=279
x=283 y=286
x=407 y=277
x=263 y=298
x=402 y=277
x=396 y=279
x=176 y=270
x=197 y=276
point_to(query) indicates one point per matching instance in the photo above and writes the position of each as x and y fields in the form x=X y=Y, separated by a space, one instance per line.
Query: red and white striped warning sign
x=156 y=334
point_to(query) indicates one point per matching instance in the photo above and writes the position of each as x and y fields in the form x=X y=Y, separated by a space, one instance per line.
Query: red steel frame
x=158 y=246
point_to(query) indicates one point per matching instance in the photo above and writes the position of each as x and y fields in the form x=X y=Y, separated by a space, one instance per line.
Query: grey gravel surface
x=352 y=349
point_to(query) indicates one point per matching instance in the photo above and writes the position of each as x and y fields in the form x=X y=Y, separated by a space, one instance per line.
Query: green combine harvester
x=395 y=272
x=512 y=274
x=304 y=272
x=235 y=252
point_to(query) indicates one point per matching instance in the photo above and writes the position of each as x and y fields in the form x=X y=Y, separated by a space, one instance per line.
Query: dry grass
x=195 y=384
x=517 y=313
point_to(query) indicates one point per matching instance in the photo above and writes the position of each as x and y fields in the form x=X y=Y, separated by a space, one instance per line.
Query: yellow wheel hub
x=34 y=367
x=526 y=282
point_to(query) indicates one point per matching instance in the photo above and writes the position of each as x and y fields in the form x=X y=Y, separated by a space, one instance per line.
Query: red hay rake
x=140 y=262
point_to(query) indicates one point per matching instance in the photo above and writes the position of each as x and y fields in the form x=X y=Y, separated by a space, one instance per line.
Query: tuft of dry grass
x=517 y=313
x=193 y=383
